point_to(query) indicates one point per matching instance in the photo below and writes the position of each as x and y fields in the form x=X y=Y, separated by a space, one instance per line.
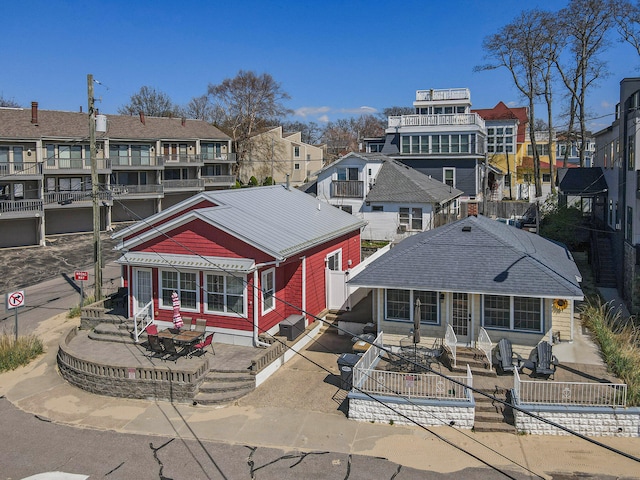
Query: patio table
x=183 y=337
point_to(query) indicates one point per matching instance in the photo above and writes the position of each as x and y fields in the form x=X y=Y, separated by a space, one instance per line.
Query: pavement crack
x=42 y=419
x=113 y=469
x=299 y=456
x=349 y=458
x=397 y=472
x=155 y=455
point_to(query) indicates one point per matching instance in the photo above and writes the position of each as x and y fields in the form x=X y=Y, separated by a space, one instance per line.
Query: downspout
x=304 y=289
x=256 y=341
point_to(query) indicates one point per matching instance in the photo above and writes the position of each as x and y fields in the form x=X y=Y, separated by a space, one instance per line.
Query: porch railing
x=450 y=341
x=7 y=206
x=570 y=393
x=347 y=188
x=370 y=356
x=436 y=120
x=484 y=343
x=142 y=320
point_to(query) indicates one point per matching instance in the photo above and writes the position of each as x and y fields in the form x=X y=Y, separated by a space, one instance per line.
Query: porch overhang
x=194 y=262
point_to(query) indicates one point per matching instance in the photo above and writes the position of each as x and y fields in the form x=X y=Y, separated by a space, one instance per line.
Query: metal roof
x=476 y=255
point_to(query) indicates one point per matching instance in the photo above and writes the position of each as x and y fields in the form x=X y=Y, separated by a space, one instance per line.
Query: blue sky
x=334 y=58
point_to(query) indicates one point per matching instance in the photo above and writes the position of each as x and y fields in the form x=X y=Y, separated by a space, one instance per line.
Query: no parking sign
x=15 y=299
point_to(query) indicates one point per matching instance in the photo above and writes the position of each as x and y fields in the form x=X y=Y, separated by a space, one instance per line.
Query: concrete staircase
x=223 y=386
x=114 y=331
x=474 y=358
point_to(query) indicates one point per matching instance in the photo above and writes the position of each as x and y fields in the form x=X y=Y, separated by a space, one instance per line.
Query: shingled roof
x=476 y=255
x=16 y=123
x=397 y=182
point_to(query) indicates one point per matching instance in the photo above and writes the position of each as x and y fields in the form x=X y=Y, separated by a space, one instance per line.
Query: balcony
x=177 y=160
x=74 y=199
x=448 y=94
x=224 y=181
x=219 y=158
x=347 y=188
x=137 y=191
x=452 y=119
x=22 y=170
x=75 y=165
x=189 y=184
x=135 y=163
x=20 y=208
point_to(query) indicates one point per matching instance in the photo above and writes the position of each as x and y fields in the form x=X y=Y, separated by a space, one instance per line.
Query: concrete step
x=219 y=397
x=219 y=386
x=228 y=376
x=109 y=338
x=110 y=332
x=493 y=427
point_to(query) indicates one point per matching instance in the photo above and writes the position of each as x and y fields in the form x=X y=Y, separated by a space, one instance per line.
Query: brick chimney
x=142 y=118
x=184 y=120
x=34 y=113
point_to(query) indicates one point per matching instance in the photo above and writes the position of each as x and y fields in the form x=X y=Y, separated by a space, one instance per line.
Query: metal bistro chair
x=200 y=347
x=155 y=346
x=201 y=325
x=170 y=348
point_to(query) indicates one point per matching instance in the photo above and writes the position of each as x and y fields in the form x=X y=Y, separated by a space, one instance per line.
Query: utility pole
x=485 y=184
x=97 y=248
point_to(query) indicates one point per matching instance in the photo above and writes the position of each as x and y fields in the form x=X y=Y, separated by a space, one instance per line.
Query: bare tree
x=200 y=108
x=627 y=18
x=244 y=104
x=311 y=132
x=518 y=47
x=584 y=25
x=346 y=134
x=151 y=102
x=6 y=102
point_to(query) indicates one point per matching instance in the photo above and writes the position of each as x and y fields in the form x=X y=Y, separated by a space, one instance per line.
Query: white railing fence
x=411 y=385
x=142 y=319
x=570 y=393
x=370 y=356
x=484 y=343
x=450 y=341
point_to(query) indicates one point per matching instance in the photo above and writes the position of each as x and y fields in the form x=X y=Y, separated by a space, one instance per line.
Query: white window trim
x=182 y=308
x=412 y=302
x=512 y=319
x=339 y=253
x=263 y=275
x=225 y=313
x=444 y=178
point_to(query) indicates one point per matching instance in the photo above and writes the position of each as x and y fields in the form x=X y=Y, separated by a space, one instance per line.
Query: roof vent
x=466 y=228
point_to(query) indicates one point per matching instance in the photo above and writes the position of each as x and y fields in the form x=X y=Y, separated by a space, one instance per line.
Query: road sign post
x=15 y=300
x=81 y=276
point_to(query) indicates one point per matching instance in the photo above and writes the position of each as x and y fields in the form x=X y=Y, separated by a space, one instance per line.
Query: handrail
x=584 y=394
x=484 y=343
x=450 y=341
x=145 y=316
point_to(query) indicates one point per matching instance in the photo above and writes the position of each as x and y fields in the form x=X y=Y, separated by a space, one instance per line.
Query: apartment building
x=144 y=165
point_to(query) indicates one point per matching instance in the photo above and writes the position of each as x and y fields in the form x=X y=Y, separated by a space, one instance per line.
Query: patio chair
x=170 y=348
x=151 y=329
x=507 y=359
x=155 y=345
x=201 y=325
x=543 y=362
x=199 y=348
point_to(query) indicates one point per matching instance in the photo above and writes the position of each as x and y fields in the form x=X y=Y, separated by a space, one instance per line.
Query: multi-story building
x=571 y=146
x=526 y=188
x=616 y=155
x=443 y=139
x=144 y=165
x=277 y=154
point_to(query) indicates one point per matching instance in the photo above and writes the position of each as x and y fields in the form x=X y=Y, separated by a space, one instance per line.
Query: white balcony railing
x=65 y=198
x=219 y=158
x=193 y=183
x=20 y=206
x=20 y=168
x=445 y=94
x=122 y=190
x=399 y=121
x=219 y=180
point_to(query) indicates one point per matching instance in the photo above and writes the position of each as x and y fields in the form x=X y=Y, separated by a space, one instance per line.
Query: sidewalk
x=301 y=408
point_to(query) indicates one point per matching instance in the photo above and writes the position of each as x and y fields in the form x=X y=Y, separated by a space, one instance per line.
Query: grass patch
x=372 y=244
x=75 y=311
x=14 y=354
x=619 y=342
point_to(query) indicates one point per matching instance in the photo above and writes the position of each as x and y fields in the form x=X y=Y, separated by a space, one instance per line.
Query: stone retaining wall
x=421 y=411
x=589 y=421
x=156 y=383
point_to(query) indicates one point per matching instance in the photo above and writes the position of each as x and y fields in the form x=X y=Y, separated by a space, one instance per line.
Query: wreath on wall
x=560 y=304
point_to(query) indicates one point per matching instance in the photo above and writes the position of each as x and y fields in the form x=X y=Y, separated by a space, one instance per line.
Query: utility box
x=292 y=326
x=346 y=362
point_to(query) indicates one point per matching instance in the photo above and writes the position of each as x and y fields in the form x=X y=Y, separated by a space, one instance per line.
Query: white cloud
x=512 y=104
x=324 y=118
x=310 y=111
x=605 y=104
x=364 y=110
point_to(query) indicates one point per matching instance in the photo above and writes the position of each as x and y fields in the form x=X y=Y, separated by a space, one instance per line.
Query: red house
x=243 y=259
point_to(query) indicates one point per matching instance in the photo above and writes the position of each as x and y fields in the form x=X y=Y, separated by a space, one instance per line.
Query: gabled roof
x=16 y=123
x=365 y=157
x=581 y=181
x=503 y=112
x=273 y=219
x=397 y=182
x=476 y=255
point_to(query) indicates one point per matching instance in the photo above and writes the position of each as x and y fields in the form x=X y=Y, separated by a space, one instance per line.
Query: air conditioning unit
x=618 y=226
x=402 y=229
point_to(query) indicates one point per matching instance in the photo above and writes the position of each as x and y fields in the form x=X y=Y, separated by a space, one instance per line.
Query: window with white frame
x=410 y=217
x=185 y=284
x=225 y=294
x=333 y=261
x=400 y=305
x=347 y=173
x=500 y=139
x=513 y=313
x=449 y=176
x=296 y=151
x=268 y=283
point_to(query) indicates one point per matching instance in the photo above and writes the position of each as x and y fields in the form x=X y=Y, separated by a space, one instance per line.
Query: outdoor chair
x=201 y=325
x=200 y=347
x=151 y=329
x=170 y=348
x=542 y=360
x=506 y=359
x=155 y=345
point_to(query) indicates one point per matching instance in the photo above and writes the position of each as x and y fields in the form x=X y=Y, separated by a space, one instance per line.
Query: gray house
x=475 y=274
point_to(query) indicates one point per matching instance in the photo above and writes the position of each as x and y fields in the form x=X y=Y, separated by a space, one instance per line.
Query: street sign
x=15 y=299
x=78 y=275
